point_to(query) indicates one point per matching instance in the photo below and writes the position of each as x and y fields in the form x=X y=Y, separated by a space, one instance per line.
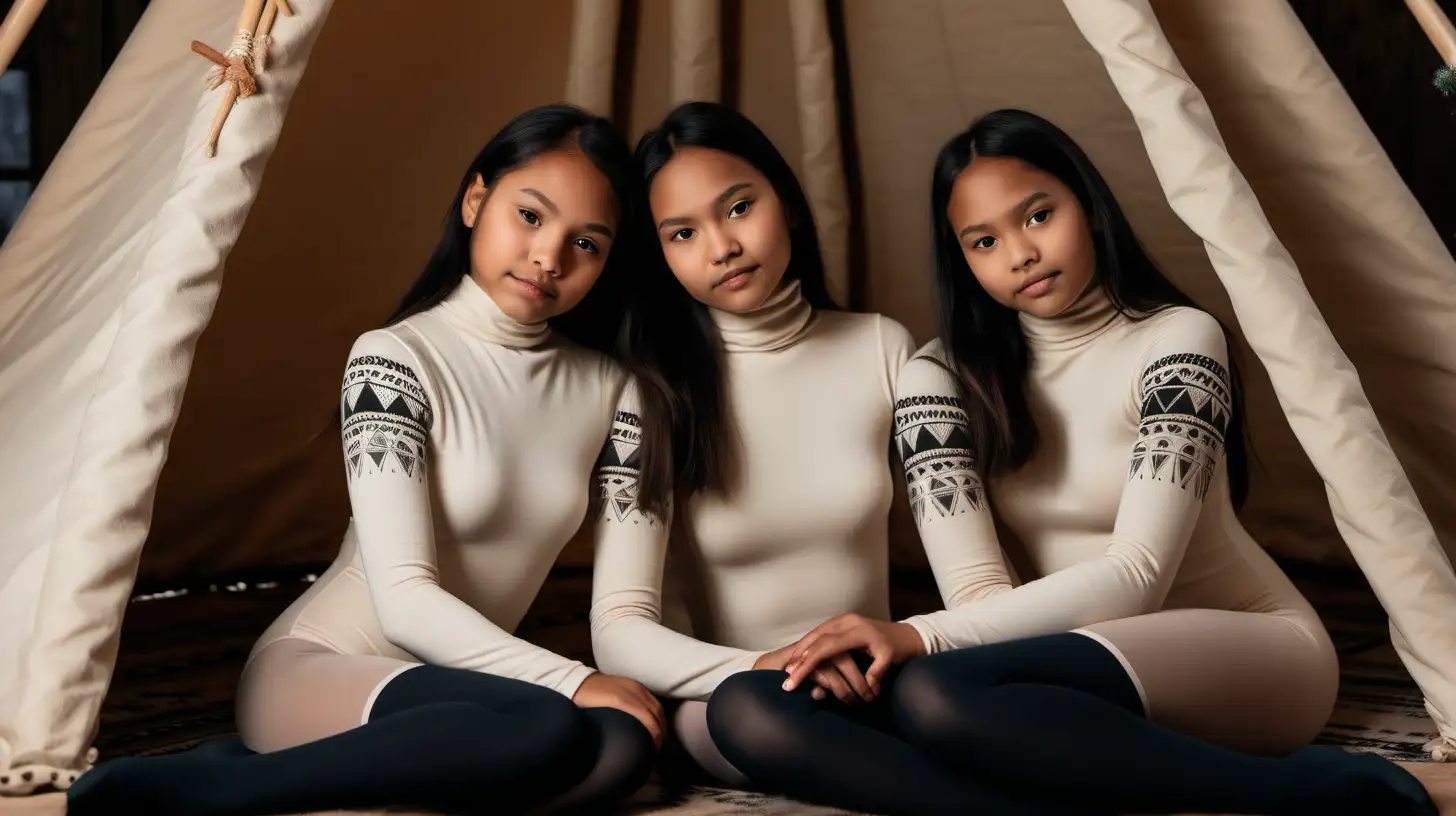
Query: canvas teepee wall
x=1234 y=149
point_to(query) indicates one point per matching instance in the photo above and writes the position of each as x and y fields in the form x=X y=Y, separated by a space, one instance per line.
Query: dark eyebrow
x=544 y=200
x=1025 y=202
x=551 y=205
x=717 y=202
x=723 y=196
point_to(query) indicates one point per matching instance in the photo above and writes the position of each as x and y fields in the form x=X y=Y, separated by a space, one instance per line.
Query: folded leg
x=345 y=731
x=1070 y=712
x=844 y=756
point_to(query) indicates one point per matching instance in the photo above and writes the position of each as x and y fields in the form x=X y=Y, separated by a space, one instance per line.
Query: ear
x=474 y=201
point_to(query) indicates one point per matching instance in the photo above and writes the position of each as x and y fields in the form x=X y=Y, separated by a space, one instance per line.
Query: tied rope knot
x=237 y=67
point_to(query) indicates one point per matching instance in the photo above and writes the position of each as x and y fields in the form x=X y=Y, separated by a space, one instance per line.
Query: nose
x=1022 y=252
x=723 y=246
x=545 y=255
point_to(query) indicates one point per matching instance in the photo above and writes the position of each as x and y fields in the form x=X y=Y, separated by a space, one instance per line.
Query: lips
x=532 y=289
x=734 y=273
x=1037 y=278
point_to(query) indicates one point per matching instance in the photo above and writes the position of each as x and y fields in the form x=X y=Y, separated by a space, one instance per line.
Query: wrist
x=906 y=640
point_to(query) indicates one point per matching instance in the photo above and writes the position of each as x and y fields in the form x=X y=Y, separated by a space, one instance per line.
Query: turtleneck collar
x=474 y=312
x=1079 y=323
x=779 y=322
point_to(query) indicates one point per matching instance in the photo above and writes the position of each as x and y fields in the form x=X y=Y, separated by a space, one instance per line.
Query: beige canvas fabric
x=1375 y=508
x=822 y=167
x=114 y=269
x=1383 y=280
x=697 y=50
x=108 y=282
x=591 y=69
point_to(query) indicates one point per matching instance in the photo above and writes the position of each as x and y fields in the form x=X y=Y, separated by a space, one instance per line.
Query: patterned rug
x=182 y=651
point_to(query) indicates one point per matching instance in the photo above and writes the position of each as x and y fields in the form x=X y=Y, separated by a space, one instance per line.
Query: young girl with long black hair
x=470 y=424
x=1158 y=659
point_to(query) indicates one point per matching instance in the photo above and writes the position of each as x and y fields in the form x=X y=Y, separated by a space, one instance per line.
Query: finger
x=875 y=675
x=653 y=725
x=818 y=693
x=829 y=678
x=803 y=646
x=654 y=707
x=823 y=649
x=849 y=670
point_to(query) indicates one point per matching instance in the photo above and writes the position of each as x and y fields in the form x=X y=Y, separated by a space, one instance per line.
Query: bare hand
x=888 y=643
x=610 y=691
x=840 y=677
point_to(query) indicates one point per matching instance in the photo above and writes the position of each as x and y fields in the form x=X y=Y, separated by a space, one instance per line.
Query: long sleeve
x=947 y=497
x=628 y=637
x=387 y=417
x=1184 y=408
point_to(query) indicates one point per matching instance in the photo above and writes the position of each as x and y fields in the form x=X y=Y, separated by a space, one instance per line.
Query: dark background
x=1375 y=47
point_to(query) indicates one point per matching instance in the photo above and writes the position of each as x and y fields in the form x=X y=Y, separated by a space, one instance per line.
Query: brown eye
x=529 y=217
x=740 y=209
x=1039 y=217
x=981 y=243
x=587 y=244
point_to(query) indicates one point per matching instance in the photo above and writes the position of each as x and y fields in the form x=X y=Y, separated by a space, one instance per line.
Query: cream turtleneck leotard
x=804 y=536
x=1124 y=510
x=469 y=441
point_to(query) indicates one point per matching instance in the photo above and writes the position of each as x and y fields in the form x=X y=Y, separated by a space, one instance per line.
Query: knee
x=541 y=735
x=751 y=717
x=925 y=703
x=556 y=723
x=626 y=753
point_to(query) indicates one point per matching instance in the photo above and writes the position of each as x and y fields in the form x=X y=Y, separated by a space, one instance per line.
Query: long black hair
x=669 y=341
x=596 y=321
x=984 y=340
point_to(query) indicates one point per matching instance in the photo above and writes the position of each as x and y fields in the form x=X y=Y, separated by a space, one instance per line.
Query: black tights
x=448 y=740
x=1038 y=726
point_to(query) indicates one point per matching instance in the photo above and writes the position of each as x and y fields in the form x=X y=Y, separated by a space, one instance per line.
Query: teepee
x=147 y=268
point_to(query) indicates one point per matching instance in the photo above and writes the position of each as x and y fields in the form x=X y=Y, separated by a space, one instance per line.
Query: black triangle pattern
x=935 y=449
x=618 y=470
x=386 y=420
x=1186 y=411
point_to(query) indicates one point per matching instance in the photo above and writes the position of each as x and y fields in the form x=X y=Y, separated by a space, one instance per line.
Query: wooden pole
x=238 y=76
x=17 y=24
x=1437 y=27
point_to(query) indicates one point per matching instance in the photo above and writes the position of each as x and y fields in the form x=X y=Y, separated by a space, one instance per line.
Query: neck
x=777 y=323
x=1079 y=323
x=474 y=312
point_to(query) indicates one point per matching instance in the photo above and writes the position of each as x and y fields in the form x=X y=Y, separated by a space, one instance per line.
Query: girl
x=763 y=426
x=1160 y=660
x=470 y=425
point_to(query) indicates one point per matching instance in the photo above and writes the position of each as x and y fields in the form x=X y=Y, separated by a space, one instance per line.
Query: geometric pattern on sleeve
x=386 y=418
x=619 y=470
x=1186 y=408
x=935 y=449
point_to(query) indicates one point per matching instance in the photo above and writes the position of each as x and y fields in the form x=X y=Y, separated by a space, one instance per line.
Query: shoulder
x=932 y=353
x=1187 y=345
x=394 y=349
x=927 y=374
x=871 y=329
x=1182 y=329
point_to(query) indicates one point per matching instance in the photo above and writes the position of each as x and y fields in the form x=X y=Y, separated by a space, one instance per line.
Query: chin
x=1048 y=307
x=742 y=300
x=519 y=308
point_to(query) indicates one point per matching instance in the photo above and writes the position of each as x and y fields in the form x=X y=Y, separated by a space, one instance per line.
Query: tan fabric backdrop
x=356 y=190
x=97 y=326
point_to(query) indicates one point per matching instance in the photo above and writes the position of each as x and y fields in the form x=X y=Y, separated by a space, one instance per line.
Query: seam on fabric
x=67 y=486
x=374 y=695
x=1126 y=666
x=955 y=84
